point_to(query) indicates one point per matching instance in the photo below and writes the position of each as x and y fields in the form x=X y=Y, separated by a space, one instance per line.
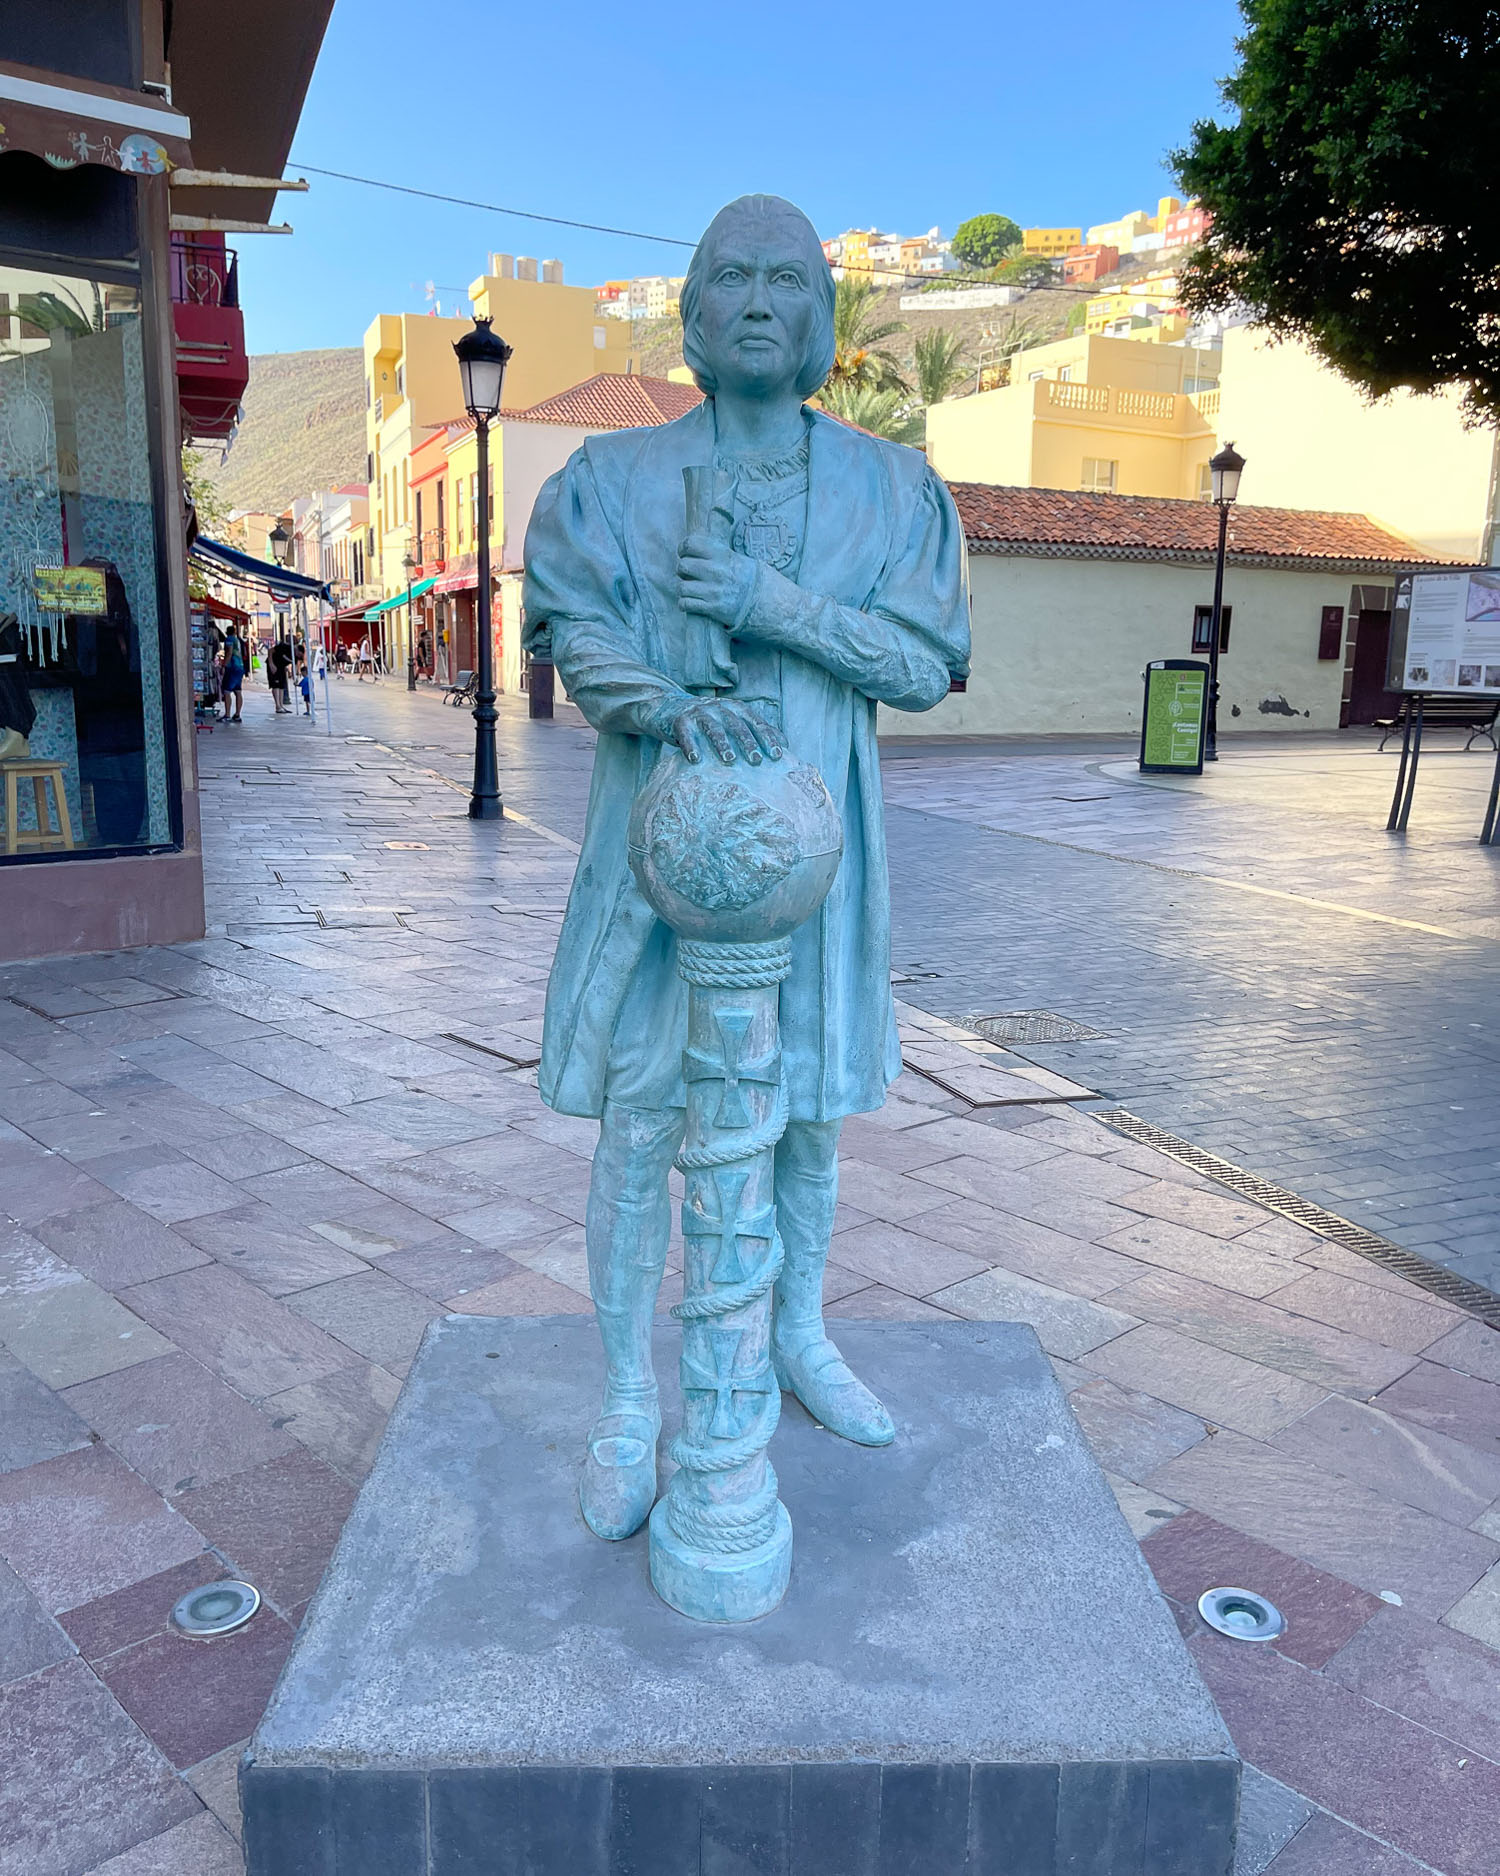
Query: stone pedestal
x=972 y=1673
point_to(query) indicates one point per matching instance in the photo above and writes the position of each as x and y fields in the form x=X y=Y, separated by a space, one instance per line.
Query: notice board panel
x=1445 y=632
x=1172 y=719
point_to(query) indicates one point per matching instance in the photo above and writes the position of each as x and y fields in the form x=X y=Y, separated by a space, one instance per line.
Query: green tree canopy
x=1017 y=268
x=982 y=240
x=1354 y=202
x=861 y=357
x=938 y=363
x=886 y=412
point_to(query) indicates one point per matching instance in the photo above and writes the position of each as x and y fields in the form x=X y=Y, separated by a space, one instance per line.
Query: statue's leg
x=807 y=1363
x=629 y=1223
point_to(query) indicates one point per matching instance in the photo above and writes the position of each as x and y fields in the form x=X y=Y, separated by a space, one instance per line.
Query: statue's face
x=757 y=309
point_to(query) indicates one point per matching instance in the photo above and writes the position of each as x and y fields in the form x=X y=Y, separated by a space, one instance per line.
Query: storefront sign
x=1445 y=631
x=70 y=589
x=1172 y=719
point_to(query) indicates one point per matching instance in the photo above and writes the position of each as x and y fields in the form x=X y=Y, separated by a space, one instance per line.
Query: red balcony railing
x=204 y=271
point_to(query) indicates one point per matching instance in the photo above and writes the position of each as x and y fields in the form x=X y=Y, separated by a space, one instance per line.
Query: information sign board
x=1445 y=632
x=1173 y=716
x=70 y=589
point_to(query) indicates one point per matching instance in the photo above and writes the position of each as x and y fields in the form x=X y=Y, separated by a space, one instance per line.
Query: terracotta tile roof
x=611 y=402
x=1068 y=524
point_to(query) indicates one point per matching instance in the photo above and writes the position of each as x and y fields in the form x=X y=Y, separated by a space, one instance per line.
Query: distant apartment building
x=1085 y=265
x=653 y=296
x=1186 y=226
x=1120 y=233
x=1152 y=296
x=1051 y=243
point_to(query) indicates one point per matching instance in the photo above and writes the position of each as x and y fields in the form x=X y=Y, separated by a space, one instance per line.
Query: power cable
x=635 y=234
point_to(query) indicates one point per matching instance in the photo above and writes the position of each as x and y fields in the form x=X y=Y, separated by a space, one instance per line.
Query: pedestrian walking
x=366 y=662
x=304 y=682
x=278 y=674
x=232 y=675
x=341 y=660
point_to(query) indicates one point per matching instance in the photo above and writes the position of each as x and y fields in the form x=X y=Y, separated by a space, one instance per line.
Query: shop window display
x=81 y=680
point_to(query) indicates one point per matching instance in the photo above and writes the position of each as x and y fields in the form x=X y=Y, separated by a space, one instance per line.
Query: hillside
x=303 y=429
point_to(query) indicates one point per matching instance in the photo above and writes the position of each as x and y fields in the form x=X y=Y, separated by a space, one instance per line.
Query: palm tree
x=939 y=363
x=860 y=357
x=883 y=410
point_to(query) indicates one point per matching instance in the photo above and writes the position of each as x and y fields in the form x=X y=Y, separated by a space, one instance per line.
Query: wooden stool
x=40 y=773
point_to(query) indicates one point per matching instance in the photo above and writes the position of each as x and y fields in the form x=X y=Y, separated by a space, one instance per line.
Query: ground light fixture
x=482 y=358
x=1224 y=472
x=1241 y=1614
x=216 y=1609
x=409 y=568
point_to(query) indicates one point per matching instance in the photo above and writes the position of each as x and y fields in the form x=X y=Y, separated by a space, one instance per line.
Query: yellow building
x=1051 y=242
x=1145 y=298
x=854 y=249
x=1120 y=233
x=1166 y=206
x=1110 y=413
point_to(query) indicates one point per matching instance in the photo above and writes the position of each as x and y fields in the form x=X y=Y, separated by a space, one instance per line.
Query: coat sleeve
x=579 y=594
x=914 y=638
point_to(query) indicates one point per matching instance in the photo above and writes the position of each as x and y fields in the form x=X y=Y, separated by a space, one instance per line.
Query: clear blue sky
x=651 y=117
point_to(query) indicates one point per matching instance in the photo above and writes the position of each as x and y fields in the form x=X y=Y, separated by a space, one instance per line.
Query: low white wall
x=1060 y=646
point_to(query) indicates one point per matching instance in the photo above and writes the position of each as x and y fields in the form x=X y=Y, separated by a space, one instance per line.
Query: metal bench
x=1476 y=715
x=461 y=690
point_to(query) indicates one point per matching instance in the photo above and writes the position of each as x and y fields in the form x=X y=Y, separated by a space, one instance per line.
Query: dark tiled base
x=797 y=1820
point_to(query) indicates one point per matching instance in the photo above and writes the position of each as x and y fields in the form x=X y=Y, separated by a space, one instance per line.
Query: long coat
x=884 y=616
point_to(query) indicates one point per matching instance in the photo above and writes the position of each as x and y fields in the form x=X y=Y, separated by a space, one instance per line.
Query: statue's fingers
x=742 y=728
x=689 y=737
x=713 y=728
x=765 y=731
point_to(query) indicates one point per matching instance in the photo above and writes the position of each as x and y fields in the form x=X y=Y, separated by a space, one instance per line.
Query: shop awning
x=279 y=582
x=400 y=599
x=75 y=120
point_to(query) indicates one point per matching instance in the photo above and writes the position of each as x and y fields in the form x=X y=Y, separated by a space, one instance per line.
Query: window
x=1034 y=375
x=1099 y=475
x=458 y=510
x=82 y=686
x=401 y=381
x=419 y=524
x=1203 y=628
x=1065 y=374
x=369 y=466
x=405 y=495
x=1205 y=483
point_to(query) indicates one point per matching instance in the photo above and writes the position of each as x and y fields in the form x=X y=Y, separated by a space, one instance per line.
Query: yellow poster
x=71 y=589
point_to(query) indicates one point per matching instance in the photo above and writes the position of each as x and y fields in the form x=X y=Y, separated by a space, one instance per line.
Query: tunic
x=870 y=606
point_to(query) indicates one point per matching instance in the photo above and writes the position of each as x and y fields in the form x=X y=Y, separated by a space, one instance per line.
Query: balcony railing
x=204 y=273
x=1207 y=404
x=1147 y=403
x=1166 y=411
x=1064 y=396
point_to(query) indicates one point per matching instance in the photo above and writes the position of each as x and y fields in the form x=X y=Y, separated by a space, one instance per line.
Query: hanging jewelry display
x=32 y=516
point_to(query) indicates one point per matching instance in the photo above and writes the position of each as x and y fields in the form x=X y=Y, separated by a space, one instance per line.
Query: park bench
x=461 y=690
x=1476 y=715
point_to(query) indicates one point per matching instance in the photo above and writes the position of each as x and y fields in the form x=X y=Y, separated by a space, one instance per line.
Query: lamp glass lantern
x=482 y=358
x=280 y=544
x=409 y=567
x=1225 y=470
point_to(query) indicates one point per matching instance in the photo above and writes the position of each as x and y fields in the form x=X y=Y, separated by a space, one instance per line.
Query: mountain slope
x=303 y=429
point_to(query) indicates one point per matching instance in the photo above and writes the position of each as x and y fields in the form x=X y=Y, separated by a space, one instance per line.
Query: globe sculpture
x=734 y=858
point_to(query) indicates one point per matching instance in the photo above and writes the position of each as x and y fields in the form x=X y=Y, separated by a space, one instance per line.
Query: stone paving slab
x=217 y=1335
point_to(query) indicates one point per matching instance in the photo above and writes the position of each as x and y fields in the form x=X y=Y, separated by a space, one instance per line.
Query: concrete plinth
x=972 y=1673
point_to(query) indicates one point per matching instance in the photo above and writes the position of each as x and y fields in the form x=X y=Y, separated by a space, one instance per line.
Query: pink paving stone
x=1432 y=1675
x=882 y=1305
x=887 y=1195
x=1324 y=1357
x=201 y=1847
x=278 y=1523
x=259 y=1346
x=1381 y=1772
x=176 y=1423
x=902 y=1260
x=1403 y=1322
x=1218 y=1386
x=1220 y=1261
x=81 y=1782
x=1032 y=1193
x=1459 y=1405
x=1032 y=1250
x=129 y=1615
x=1194 y=1553
x=341 y=1417
x=193 y=1698
x=117 y=1244
x=1396 y=1457
x=1472 y=1347
x=1325 y=1847
x=79 y=1526
x=1131 y=1433
x=527 y=1293
x=1213 y=1212
x=1338 y=1527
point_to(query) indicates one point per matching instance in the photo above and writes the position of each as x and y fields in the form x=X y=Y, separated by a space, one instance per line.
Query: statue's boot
x=628 y=1226
x=806 y=1362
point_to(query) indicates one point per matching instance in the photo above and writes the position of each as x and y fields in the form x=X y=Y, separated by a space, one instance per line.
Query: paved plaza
x=241 y=1176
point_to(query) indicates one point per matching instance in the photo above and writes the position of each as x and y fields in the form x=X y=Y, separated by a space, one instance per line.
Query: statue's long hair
x=818 y=361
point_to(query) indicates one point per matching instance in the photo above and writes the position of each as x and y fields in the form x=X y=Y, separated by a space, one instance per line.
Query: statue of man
x=829 y=579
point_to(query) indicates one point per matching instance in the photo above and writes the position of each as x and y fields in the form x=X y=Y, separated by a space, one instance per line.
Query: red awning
x=462 y=579
x=73 y=121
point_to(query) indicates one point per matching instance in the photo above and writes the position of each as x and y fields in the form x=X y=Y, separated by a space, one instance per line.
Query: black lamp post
x=410 y=566
x=1224 y=473
x=280 y=544
x=482 y=358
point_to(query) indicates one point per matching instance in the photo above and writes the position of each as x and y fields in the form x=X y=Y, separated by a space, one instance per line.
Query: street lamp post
x=482 y=358
x=1224 y=472
x=410 y=567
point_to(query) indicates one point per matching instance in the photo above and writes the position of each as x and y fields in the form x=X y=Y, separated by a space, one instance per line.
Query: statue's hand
x=713 y=580
x=728 y=728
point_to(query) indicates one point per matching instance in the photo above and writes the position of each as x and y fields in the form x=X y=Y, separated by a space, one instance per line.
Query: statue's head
x=757 y=303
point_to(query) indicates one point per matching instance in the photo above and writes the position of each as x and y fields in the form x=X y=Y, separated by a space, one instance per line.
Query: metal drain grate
x=1032 y=1026
x=1442 y=1282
